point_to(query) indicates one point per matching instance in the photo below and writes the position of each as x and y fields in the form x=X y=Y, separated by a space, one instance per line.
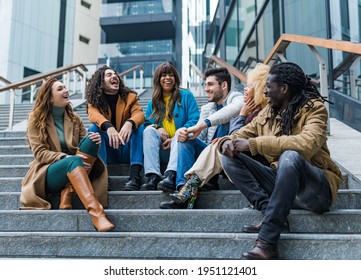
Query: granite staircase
x=143 y=231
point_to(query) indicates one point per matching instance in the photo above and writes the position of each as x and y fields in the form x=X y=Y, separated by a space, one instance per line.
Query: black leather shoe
x=256 y=228
x=263 y=250
x=151 y=184
x=212 y=184
x=168 y=183
x=172 y=205
x=132 y=185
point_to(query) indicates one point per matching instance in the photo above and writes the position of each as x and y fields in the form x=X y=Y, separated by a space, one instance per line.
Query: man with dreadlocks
x=290 y=133
x=117 y=116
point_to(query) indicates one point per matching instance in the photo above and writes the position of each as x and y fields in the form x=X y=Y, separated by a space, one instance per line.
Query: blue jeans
x=295 y=184
x=153 y=153
x=188 y=152
x=131 y=152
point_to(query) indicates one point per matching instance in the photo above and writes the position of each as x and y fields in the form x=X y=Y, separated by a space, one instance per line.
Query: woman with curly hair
x=64 y=156
x=170 y=111
x=117 y=116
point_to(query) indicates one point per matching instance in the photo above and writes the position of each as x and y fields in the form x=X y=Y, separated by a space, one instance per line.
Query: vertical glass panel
x=231 y=37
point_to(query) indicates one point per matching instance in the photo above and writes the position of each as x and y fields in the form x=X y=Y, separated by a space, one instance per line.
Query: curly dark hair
x=158 y=105
x=302 y=92
x=95 y=90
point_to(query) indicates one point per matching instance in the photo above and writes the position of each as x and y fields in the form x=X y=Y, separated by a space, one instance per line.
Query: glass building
x=243 y=32
x=38 y=36
x=143 y=33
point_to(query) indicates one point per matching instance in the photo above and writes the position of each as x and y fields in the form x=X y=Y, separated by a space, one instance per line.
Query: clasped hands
x=231 y=148
x=119 y=138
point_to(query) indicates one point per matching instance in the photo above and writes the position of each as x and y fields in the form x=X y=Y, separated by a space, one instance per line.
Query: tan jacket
x=126 y=110
x=308 y=138
x=45 y=153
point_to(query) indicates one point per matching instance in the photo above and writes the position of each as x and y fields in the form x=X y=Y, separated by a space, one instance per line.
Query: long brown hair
x=158 y=104
x=43 y=107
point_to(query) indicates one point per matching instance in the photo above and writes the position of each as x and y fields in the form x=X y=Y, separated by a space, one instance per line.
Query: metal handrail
x=134 y=70
x=6 y=81
x=39 y=77
x=231 y=69
x=286 y=39
x=34 y=79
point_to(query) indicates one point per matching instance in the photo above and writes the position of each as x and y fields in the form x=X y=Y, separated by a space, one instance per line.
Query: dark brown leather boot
x=256 y=228
x=65 y=197
x=82 y=186
x=263 y=250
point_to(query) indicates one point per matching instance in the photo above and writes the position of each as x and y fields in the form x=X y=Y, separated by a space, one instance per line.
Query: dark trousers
x=295 y=184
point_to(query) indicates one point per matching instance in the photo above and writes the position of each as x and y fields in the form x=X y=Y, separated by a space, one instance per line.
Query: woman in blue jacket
x=170 y=109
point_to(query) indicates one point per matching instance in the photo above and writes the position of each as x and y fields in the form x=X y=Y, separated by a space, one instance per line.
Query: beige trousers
x=207 y=164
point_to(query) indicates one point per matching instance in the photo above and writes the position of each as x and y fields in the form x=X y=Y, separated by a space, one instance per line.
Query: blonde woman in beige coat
x=65 y=158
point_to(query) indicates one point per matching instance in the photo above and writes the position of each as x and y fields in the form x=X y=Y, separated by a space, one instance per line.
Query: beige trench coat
x=45 y=153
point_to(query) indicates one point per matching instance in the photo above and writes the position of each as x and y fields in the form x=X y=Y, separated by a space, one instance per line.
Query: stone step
x=8 y=133
x=161 y=245
x=14 y=150
x=161 y=220
x=222 y=199
x=9 y=141
x=16 y=159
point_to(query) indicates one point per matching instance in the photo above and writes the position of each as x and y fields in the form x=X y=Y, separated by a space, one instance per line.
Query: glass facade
x=246 y=31
x=131 y=36
x=133 y=8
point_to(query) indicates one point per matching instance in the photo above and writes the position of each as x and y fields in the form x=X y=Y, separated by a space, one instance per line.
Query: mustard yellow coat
x=45 y=153
x=308 y=137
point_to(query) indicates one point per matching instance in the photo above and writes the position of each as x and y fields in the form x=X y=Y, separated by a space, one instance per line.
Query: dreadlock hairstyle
x=301 y=93
x=221 y=75
x=158 y=105
x=95 y=90
x=43 y=107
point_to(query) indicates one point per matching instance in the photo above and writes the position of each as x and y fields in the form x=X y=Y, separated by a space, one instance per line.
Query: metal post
x=323 y=82
x=353 y=84
x=141 y=72
x=74 y=82
x=134 y=78
x=83 y=85
x=11 y=113
x=32 y=92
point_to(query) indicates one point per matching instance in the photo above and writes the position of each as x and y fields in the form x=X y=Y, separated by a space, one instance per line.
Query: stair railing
x=37 y=78
x=4 y=80
x=123 y=76
x=231 y=69
x=195 y=80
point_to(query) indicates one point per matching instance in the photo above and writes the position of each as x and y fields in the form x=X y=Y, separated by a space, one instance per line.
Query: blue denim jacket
x=185 y=115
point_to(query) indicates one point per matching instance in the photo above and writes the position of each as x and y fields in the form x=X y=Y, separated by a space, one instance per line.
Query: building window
x=84 y=39
x=85 y=4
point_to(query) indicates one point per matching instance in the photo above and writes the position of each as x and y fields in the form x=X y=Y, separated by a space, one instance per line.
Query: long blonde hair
x=43 y=107
x=258 y=77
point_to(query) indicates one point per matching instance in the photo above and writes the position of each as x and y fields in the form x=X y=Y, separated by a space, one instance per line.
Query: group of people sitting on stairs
x=270 y=142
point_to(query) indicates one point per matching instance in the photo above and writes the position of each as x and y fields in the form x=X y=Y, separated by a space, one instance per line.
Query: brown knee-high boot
x=90 y=159
x=68 y=191
x=82 y=186
x=65 y=197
